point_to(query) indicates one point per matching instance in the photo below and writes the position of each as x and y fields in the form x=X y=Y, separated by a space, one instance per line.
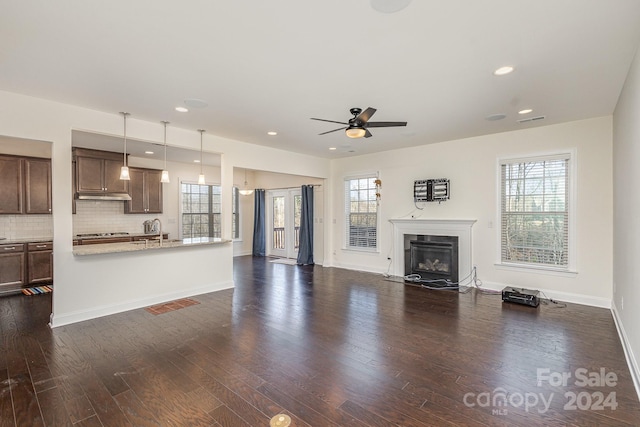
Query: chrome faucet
x=159 y=228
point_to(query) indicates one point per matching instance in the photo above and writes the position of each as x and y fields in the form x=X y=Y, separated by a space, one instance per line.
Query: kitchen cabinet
x=104 y=240
x=37 y=173
x=145 y=190
x=165 y=236
x=12 y=267
x=98 y=172
x=26 y=185
x=12 y=188
x=40 y=263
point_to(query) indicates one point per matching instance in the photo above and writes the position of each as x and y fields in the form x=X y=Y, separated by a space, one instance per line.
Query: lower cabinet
x=40 y=263
x=24 y=265
x=12 y=267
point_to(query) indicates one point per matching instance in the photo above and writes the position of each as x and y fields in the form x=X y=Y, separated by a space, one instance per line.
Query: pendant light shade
x=165 y=173
x=201 y=180
x=124 y=170
x=245 y=191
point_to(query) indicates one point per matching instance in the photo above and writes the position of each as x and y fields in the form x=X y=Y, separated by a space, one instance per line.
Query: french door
x=283 y=222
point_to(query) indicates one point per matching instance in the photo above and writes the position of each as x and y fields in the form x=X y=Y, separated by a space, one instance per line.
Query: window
x=201 y=210
x=535 y=211
x=235 y=214
x=361 y=209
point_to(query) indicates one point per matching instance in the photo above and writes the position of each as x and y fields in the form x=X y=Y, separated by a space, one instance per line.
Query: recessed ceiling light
x=148 y=152
x=332 y=148
x=272 y=133
x=494 y=117
x=182 y=109
x=196 y=161
x=525 y=111
x=196 y=103
x=503 y=70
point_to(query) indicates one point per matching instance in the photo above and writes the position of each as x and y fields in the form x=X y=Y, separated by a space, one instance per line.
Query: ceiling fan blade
x=384 y=124
x=366 y=115
x=335 y=130
x=367 y=134
x=330 y=121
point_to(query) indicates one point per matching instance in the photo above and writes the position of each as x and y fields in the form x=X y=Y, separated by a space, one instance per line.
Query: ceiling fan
x=357 y=127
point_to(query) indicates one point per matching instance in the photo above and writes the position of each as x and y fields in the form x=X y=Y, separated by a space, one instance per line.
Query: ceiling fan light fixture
x=355 y=132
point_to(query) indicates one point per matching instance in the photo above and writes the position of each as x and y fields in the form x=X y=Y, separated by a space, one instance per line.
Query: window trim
x=235 y=192
x=180 y=201
x=345 y=223
x=571 y=268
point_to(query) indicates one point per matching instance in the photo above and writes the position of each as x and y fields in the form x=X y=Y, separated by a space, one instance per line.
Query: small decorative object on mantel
x=431 y=190
x=378 y=184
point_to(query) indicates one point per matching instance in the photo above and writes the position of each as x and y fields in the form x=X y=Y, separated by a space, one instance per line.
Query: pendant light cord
x=124 y=115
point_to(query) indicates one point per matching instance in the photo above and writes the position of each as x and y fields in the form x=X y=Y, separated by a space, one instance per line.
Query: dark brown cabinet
x=40 y=263
x=145 y=190
x=12 y=188
x=12 y=267
x=98 y=172
x=37 y=174
x=26 y=185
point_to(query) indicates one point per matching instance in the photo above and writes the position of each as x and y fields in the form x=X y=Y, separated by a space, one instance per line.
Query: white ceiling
x=272 y=65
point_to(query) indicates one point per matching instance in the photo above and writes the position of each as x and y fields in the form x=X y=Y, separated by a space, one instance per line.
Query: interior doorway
x=283 y=222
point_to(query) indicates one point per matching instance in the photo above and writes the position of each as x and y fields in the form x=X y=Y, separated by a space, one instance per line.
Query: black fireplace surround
x=434 y=259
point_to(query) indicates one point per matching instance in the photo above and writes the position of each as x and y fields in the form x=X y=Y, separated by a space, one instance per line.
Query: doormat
x=37 y=290
x=287 y=261
x=171 y=306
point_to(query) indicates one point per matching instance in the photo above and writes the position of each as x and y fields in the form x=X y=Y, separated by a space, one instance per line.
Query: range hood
x=102 y=196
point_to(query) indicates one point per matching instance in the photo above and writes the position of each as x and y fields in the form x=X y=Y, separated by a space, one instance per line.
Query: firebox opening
x=431 y=260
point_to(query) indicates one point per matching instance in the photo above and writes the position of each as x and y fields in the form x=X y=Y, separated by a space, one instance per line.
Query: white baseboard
x=105 y=310
x=559 y=296
x=632 y=361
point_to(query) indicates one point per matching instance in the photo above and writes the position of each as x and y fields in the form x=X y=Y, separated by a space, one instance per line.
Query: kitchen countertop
x=17 y=241
x=142 y=245
x=115 y=235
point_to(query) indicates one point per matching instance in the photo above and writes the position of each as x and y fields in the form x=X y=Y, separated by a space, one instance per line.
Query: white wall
x=472 y=167
x=626 y=229
x=75 y=297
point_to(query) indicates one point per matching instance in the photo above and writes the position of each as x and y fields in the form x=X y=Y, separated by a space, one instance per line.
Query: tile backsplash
x=100 y=216
x=25 y=226
x=92 y=216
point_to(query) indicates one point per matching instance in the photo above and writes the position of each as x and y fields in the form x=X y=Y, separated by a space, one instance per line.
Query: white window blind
x=361 y=210
x=535 y=211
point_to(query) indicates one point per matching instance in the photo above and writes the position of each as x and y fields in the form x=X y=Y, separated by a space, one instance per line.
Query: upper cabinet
x=37 y=174
x=97 y=173
x=145 y=190
x=26 y=185
x=12 y=188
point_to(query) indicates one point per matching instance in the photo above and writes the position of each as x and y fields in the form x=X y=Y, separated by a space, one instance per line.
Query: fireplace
x=432 y=258
x=405 y=230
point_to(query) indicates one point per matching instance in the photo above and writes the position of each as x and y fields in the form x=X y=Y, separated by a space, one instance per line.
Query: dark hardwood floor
x=325 y=346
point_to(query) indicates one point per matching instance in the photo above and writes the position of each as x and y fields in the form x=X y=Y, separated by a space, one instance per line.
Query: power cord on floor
x=547 y=301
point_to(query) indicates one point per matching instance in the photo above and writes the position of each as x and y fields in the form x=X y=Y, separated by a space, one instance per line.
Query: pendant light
x=165 y=173
x=124 y=170
x=201 y=180
x=245 y=191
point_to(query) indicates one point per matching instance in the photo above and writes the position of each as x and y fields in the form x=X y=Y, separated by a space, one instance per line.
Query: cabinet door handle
x=10 y=249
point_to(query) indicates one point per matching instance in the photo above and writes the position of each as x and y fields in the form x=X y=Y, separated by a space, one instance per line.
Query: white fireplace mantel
x=433 y=227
